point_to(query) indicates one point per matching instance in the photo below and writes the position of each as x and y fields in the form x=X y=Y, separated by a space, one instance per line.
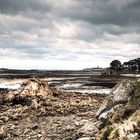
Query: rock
x=81 y=122
x=9 y=97
x=117 y=97
x=34 y=126
x=35 y=104
x=55 y=94
x=69 y=127
x=15 y=117
x=2 y=135
x=108 y=114
x=88 y=129
x=4 y=118
x=33 y=92
x=35 y=87
x=39 y=135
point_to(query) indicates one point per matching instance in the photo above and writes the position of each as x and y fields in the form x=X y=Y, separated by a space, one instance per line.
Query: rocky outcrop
x=87 y=130
x=124 y=122
x=35 y=87
x=31 y=93
x=117 y=98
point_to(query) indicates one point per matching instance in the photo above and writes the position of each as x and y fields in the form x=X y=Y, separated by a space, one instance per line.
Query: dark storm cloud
x=134 y=4
x=17 y=6
x=121 y=13
x=93 y=11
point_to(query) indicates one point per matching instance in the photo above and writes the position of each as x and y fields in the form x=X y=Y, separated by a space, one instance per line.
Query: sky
x=68 y=34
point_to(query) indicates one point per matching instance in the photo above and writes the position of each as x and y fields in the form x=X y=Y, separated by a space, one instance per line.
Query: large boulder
x=35 y=87
x=117 y=97
x=33 y=92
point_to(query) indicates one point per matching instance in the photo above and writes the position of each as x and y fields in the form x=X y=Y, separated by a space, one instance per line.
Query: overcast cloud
x=68 y=34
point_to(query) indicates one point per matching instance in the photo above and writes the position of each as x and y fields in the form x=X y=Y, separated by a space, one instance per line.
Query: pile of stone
x=33 y=92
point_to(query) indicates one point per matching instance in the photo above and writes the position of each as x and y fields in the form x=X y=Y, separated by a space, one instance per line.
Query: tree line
x=130 y=66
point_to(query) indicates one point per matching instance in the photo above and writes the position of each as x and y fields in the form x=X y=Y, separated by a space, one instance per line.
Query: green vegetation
x=128 y=67
x=115 y=65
